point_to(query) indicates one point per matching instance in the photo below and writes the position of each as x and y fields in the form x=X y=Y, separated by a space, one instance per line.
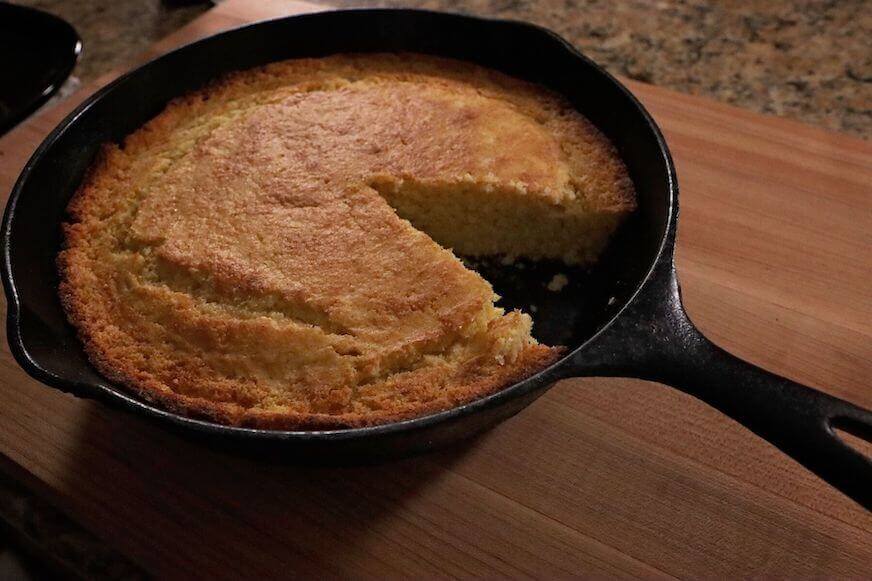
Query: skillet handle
x=799 y=420
x=658 y=342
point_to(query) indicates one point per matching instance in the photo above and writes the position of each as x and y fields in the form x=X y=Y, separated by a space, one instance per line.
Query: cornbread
x=274 y=250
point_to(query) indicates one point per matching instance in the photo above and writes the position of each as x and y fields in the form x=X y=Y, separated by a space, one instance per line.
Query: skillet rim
x=116 y=396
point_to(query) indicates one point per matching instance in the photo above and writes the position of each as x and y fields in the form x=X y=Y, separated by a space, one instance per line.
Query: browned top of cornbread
x=232 y=261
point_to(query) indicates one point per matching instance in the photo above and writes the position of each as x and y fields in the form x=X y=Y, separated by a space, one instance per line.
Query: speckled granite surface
x=808 y=60
x=115 y=31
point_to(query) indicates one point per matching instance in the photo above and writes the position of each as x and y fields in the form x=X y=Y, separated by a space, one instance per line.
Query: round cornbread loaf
x=274 y=249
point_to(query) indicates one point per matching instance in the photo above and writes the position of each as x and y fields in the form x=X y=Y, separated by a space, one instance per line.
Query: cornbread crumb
x=557 y=282
x=274 y=249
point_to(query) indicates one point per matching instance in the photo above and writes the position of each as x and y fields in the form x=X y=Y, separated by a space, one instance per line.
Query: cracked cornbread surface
x=273 y=250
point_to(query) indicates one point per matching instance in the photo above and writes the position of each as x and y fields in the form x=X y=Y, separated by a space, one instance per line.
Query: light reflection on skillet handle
x=655 y=340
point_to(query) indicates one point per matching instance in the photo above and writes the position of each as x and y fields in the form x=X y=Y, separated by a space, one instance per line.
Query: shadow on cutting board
x=584 y=480
x=237 y=515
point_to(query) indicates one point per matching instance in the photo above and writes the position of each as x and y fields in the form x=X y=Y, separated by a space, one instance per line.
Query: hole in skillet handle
x=854 y=434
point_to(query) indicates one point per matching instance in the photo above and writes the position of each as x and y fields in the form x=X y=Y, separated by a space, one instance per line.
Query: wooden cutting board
x=599 y=477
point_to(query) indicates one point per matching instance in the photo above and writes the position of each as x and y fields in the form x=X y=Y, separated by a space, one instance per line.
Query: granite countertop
x=808 y=60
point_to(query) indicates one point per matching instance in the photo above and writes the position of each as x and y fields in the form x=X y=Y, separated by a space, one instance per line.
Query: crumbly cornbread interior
x=275 y=250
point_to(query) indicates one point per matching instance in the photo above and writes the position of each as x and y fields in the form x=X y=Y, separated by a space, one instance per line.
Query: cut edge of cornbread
x=478 y=218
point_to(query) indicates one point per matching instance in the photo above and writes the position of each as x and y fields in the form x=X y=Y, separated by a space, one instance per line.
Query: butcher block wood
x=599 y=477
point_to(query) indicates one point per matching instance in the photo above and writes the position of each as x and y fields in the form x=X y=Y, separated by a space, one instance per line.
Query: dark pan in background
x=623 y=318
x=37 y=53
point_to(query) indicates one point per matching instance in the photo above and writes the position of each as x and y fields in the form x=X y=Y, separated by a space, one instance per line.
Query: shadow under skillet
x=306 y=520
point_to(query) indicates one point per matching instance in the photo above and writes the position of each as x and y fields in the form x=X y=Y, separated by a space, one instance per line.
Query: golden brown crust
x=232 y=261
x=527 y=365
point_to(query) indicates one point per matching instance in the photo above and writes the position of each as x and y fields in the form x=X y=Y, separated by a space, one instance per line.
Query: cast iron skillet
x=624 y=318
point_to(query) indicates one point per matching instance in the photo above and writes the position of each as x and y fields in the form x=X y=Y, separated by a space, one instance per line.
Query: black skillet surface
x=624 y=318
x=38 y=52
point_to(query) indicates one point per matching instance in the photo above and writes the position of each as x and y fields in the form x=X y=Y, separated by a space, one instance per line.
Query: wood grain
x=611 y=478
